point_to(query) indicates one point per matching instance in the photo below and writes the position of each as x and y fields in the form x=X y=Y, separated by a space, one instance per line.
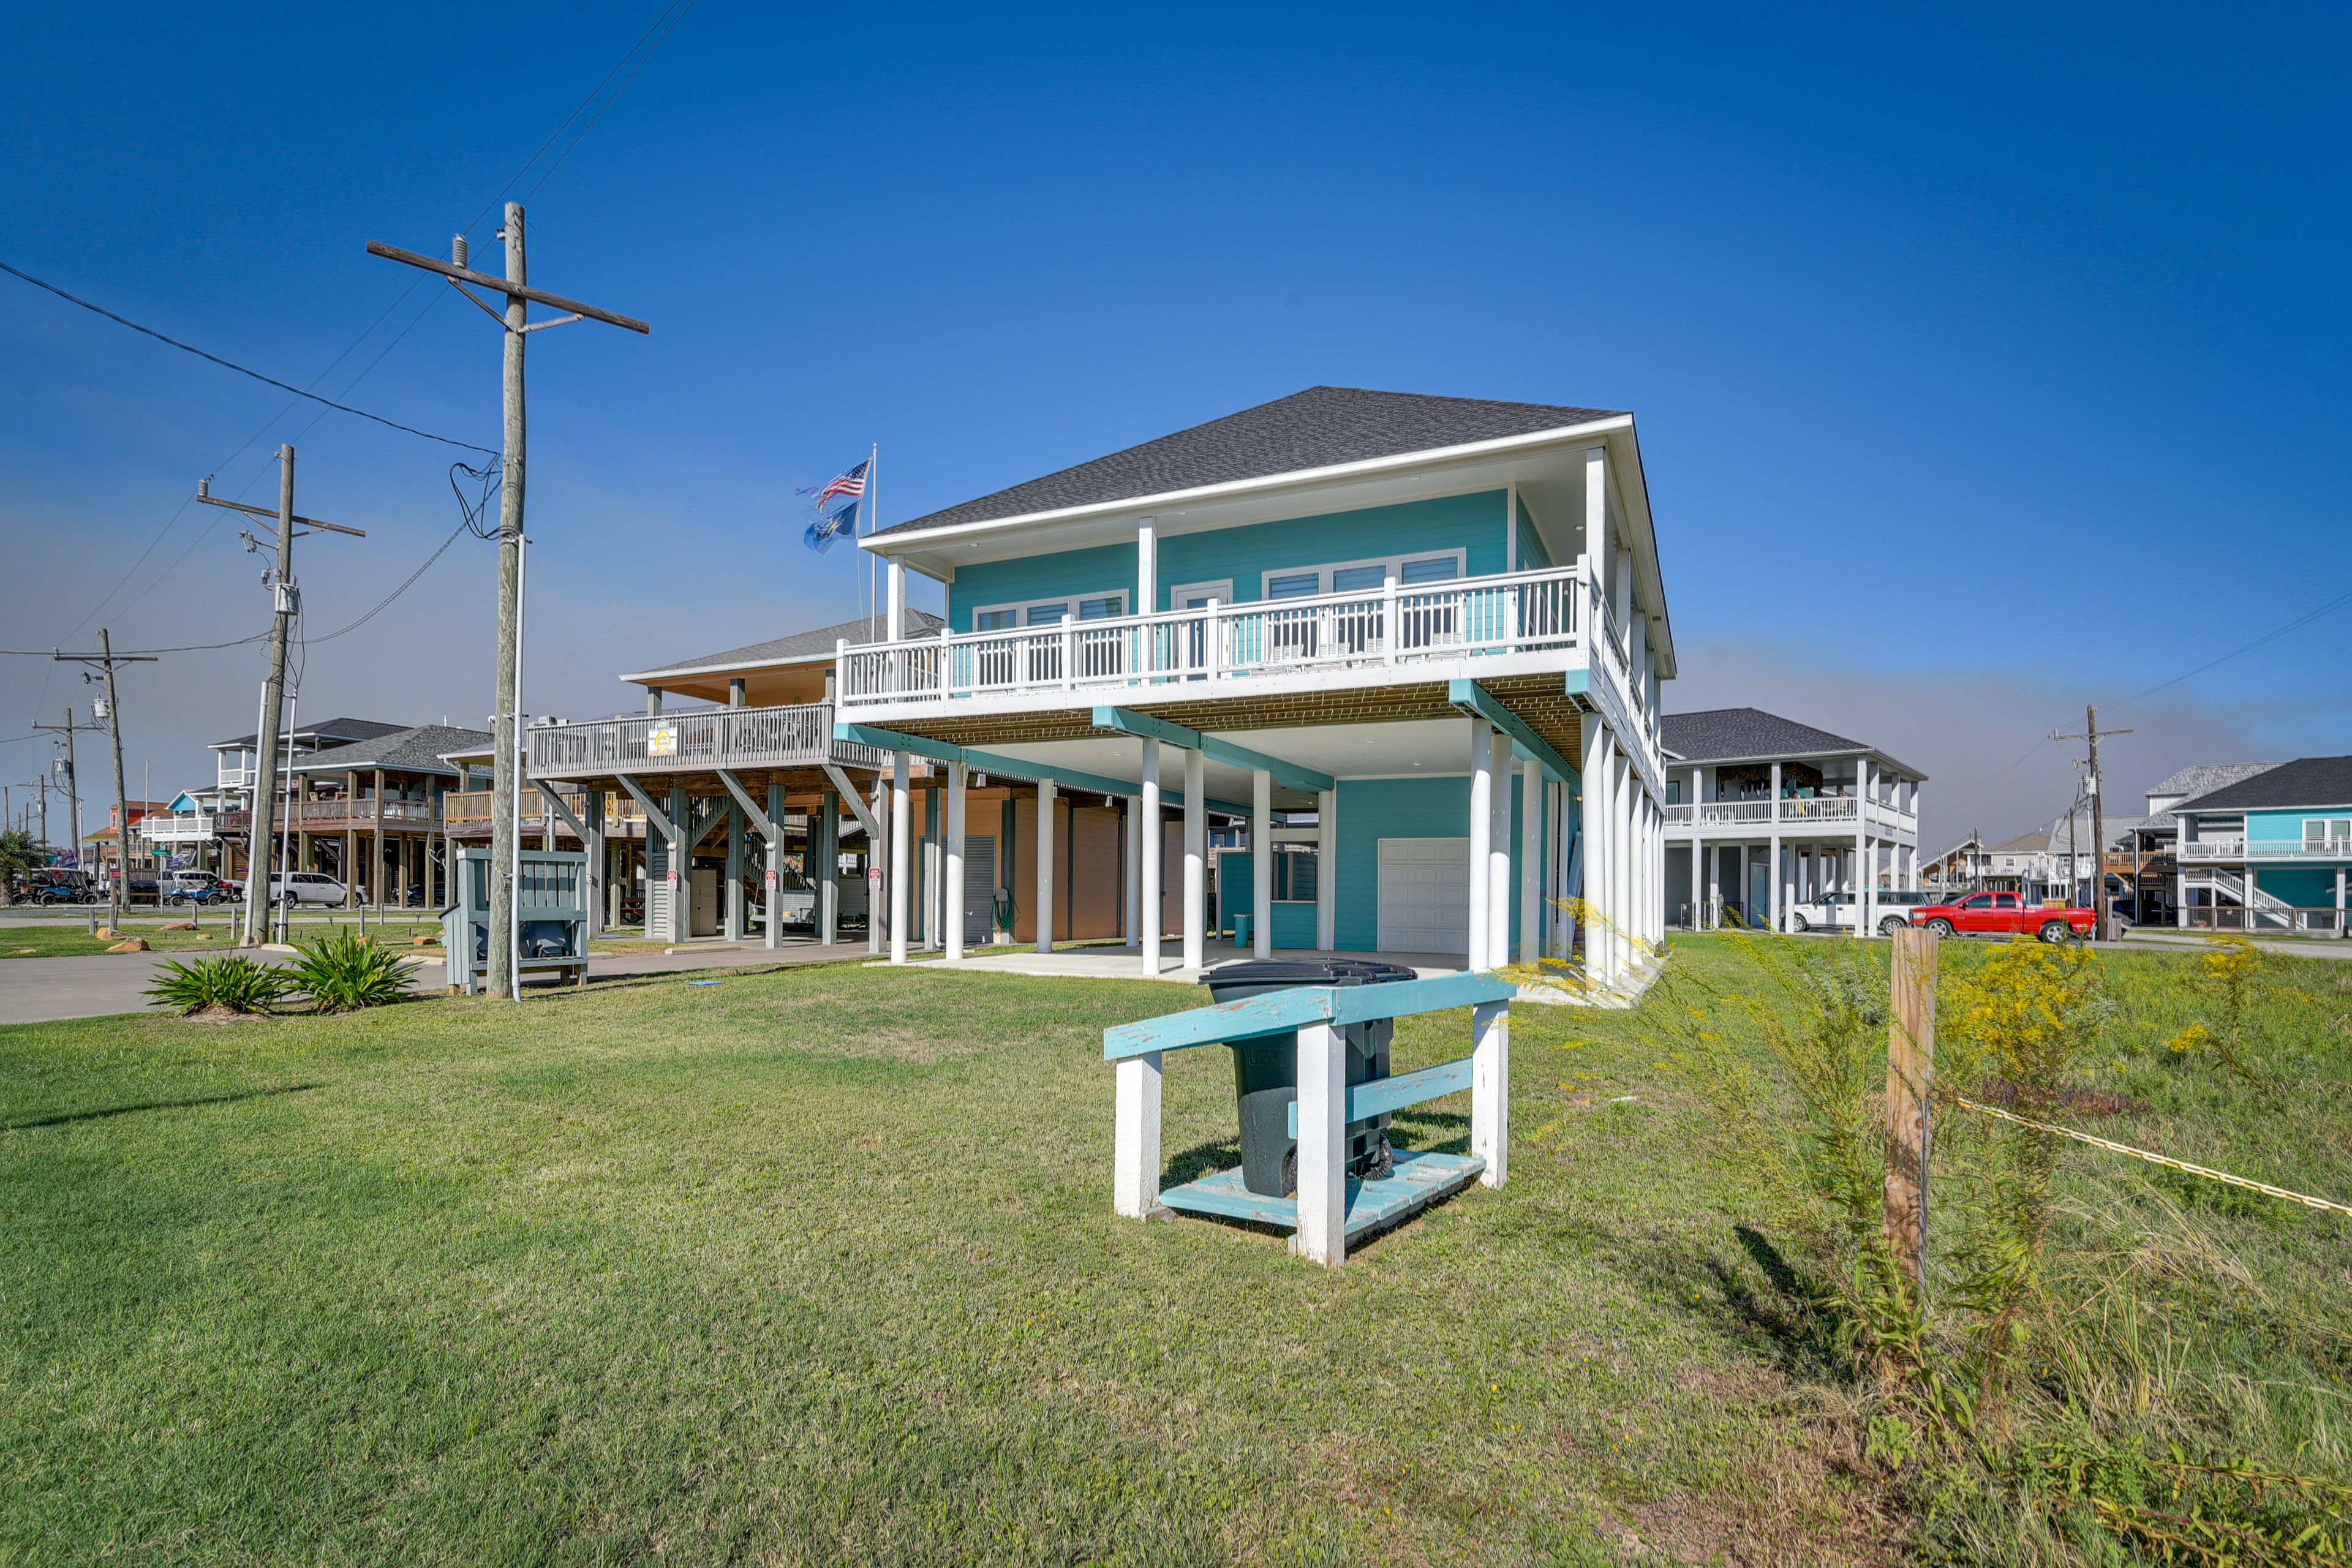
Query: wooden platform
x=1420 y=1179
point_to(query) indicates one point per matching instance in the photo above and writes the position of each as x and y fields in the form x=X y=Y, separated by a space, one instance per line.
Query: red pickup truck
x=2003 y=914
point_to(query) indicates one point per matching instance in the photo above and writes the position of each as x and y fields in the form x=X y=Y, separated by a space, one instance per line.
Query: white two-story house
x=1437 y=625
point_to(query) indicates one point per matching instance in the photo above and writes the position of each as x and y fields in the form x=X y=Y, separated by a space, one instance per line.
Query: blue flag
x=829 y=527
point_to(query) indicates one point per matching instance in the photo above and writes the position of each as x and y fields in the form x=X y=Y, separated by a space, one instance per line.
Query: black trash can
x=1265 y=1068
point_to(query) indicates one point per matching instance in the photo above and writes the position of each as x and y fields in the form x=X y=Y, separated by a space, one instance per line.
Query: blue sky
x=1985 y=364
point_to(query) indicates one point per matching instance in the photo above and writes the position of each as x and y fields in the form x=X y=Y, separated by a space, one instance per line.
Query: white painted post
x=1865 y=860
x=1260 y=864
x=1045 y=865
x=1772 y=875
x=1498 y=857
x=1326 y=871
x=828 y=858
x=1132 y=869
x=772 y=882
x=1135 y=1141
x=902 y=766
x=1698 y=882
x=1533 y=797
x=1624 y=785
x=1592 y=827
x=1196 y=858
x=1322 y=1144
x=897 y=603
x=1482 y=836
x=1154 y=844
x=1490 y=1091
x=1147 y=566
x=953 y=922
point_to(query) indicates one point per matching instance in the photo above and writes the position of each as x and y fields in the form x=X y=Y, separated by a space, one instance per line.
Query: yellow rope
x=2115 y=1148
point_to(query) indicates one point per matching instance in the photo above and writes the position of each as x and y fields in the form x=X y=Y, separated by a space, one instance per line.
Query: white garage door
x=1424 y=895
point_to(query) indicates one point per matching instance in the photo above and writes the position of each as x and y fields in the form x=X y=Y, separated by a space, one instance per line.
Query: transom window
x=1048 y=612
x=1366 y=576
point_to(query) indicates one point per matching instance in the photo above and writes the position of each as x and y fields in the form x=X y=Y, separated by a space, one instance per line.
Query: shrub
x=344 y=974
x=228 y=981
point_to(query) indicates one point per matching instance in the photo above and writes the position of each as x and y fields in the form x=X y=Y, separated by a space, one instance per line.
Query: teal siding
x=2286 y=826
x=1374 y=809
x=1533 y=556
x=1105 y=569
x=1293 y=925
x=1471 y=523
x=2305 y=887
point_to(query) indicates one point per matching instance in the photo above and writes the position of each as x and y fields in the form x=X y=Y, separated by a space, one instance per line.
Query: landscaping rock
x=178 y=925
x=135 y=944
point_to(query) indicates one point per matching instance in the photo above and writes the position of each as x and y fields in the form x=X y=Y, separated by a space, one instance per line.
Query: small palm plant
x=228 y=981
x=18 y=855
x=345 y=972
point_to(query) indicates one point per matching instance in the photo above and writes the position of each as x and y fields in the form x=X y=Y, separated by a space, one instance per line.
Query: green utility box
x=551 y=907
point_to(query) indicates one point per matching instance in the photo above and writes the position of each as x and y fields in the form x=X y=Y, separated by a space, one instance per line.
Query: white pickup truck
x=1836 y=912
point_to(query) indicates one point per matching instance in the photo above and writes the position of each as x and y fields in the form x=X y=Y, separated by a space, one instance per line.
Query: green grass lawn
x=74 y=942
x=817 y=1265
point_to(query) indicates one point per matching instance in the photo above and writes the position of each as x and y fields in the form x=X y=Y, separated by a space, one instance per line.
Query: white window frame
x=1021 y=607
x=1222 y=592
x=1391 y=566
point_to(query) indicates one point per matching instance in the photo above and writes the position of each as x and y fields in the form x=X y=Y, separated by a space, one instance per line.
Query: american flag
x=852 y=484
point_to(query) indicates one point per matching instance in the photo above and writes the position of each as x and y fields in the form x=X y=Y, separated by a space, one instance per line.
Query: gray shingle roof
x=787 y=649
x=418 y=750
x=2307 y=780
x=2207 y=777
x=337 y=730
x=1317 y=428
x=1745 y=732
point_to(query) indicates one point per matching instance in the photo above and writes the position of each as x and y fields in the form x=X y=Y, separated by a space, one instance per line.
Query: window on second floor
x=2317 y=830
x=1048 y=612
x=1367 y=576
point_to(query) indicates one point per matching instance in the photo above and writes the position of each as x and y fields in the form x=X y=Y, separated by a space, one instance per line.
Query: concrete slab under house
x=1416 y=643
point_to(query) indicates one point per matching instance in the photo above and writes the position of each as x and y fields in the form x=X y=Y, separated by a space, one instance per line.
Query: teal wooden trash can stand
x=1329 y=1208
x=550 y=906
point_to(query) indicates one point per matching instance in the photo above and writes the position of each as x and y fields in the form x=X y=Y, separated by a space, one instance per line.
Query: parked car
x=62 y=885
x=2004 y=914
x=199 y=887
x=1835 y=911
x=305 y=887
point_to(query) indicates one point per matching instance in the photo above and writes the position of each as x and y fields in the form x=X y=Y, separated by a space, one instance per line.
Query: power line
x=232 y=364
x=2266 y=636
x=681 y=9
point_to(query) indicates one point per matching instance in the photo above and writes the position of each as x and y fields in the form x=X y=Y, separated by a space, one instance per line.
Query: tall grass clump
x=228 y=983
x=2090 y=1372
x=343 y=973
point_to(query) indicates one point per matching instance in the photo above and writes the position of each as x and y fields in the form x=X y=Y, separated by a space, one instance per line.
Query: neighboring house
x=654 y=796
x=370 y=813
x=102 y=851
x=2271 y=852
x=238 y=770
x=1763 y=812
x=188 y=831
x=1436 y=623
x=2019 y=865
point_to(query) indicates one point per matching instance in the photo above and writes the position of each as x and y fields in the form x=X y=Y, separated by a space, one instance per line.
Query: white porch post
x=1698 y=877
x=1132 y=869
x=1045 y=865
x=1626 y=788
x=1154 y=840
x=1196 y=858
x=1323 y=1145
x=954 y=891
x=897 y=574
x=1499 y=850
x=1594 y=829
x=1531 y=861
x=1326 y=871
x=1865 y=851
x=1260 y=864
x=1482 y=837
x=774 y=880
x=828 y=870
x=1772 y=875
x=1147 y=566
x=1490 y=1091
x=902 y=765
x=1135 y=1137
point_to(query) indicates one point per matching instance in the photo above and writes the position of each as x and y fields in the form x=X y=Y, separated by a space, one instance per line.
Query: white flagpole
x=873 y=497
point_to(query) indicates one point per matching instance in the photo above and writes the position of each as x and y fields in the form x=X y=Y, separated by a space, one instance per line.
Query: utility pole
x=286 y=601
x=512 y=466
x=2092 y=732
x=106 y=659
x=72 y=783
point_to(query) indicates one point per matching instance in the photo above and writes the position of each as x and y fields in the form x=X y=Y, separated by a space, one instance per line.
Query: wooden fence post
x=1910 y=1085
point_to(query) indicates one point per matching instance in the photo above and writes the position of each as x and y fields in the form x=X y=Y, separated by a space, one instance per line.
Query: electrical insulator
x=458 y=251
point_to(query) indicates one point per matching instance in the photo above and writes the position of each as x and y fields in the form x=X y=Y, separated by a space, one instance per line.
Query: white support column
x=1697 y=879
x=1490 y=1091
x=1131 y=867
x=773 y=880
x=1260 y=864
x=1866 y=855
x=1773 y=871
x=1322 y=1144
x=1326 y=871
x=1499 y=850
x=953 y=922
x=1482 y=839
x=1046 y=864
x=1624 y=786
x=827 y=858
x=1154 y=840
x=1592 y=828
x=1135 y=1138
x=902 y=766
x=1196 y=859
x=1147 y=566
x=897 y=574
x=1531 y=861
x=732 y=916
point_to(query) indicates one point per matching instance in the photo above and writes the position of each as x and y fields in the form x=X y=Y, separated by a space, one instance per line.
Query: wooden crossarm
x=1281 y=1011
x=1365 y=1100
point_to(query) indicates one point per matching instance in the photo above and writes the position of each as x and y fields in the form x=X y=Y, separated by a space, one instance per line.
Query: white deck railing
x=1805 y=811
x=2214 y=849
x=1521 y=612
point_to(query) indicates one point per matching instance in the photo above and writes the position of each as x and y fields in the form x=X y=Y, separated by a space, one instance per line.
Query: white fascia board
x=888 y=544
x=689 y=672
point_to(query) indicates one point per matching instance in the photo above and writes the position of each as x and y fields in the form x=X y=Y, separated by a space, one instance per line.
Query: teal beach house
x=2270 y=852
x=1411 y=648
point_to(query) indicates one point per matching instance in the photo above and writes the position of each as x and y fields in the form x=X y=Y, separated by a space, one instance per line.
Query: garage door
x=1424 y=895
